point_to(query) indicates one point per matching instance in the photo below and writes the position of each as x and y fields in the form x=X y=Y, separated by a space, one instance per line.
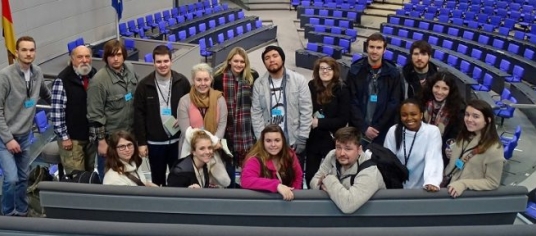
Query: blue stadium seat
x=312 y=47
x=490 y=59
x=485 y=85
x=428 y=16
x=488 y=28
x=461 y=49
x=329 y=22
x=424 y=25
x=387 y=30
x=124 y=31
x=513 y=48
x=409 y=23
x=322 y=12
x=157 y=17
x=181 y=19
x=314 y=21
x=388 y=55
x=352 y=33
x=403 y=33
x=394 y=20
x=443 y=19
x=519 y=34
x=509 y=23
x=230 y=34
x=336 y=30
x=506 y=111
x=150 y=21
x=328 y=40
x=241 y=15
x=346 y=45
x=319 y=28
x=239 y=30
x=417 y=36
x=71 y=46
x=498 y=44
x=141 y=24
x=328 y=50
x=172 y=38
x=203 y=49
x=148 y=57
x=248 y=27
x=438 y=28
x=439 y=55
x=396 y=42
x=465 y=67
x=401 y=60
x=258 y=24
x=473 y=24
x=476 y=53
x=344 y=24
x=504 y=65
x=457 y=21
x=504 y=31
x=192 y=31
x=166 y=15
x=182 y=35
x=453 y=32
x=221 y=21
x=212 y=24
x=469 y=35
x=356 y=57
x=483 y=39
x=433 y=40
x=162 y=28
x=452 y=61
x=221 y=38
x=529 y=54
x=231 y=18
x=337 y=13
x=175 y=12
x=517 y=75
x=447 y=44
x=477 y=73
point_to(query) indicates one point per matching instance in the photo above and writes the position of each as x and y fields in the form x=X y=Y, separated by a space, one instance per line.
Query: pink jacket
x=250 y=178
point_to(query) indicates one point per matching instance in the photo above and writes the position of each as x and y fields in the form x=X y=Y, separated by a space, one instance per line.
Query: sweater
x=114 y=178
x=347 y=197
x=482 y=172
x=251 y=173
x=15 y=119
x=425 y=163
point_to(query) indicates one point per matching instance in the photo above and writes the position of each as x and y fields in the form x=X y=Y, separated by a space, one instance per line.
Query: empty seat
x=403 y=33
x=439 y=55
x=182 y=35
x=202 y=27
x=519 y=35
x=488 y=28
x=476 y=53
x=498 y=44
x=401 y=60
x=517 y=74
x=314 y=21
x=505 y=65
x=239 y=30
x=319 y=28
x=328 y=50
x=504 y=31
x=356 y=57
x=387 y=30
x=433 y=40
x=409 y=23
x=490 y=59
x=329 y=22
x=447 y=44
x=424 y=25
x=142 y=25
x=231 y=17
x=312 y=47
x=248 y=27
x=191 y=31
x=328 y=40
x=396 y=42
x=465 y=66
x=452 y=61
x=485 y=85
x=438 y=28
x=172 y=38
x=230 y=34
x=513 y=48
x=221 y=38
x=221 y=20
x=462 y=49
x=148 y=57
x=394 y=20
x=336 y=30
x=346 y=45
x=388 y=55
x=483 y=39
x=212 y=24
x=529 y=54
x=453 y=32
x=417 y=36
x=344 y=24
x=477 y=73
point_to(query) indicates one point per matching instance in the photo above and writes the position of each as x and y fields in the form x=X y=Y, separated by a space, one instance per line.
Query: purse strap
x=134 y=179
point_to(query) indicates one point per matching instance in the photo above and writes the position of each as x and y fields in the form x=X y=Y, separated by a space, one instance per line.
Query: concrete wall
x=54 y=23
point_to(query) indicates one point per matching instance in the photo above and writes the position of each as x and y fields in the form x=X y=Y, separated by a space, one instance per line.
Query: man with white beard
x=69 y=94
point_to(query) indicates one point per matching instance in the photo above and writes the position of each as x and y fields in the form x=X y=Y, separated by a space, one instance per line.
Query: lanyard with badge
x=407 y=155
x=374 y=92
x=29 y=102
x=277 y=109
x=166 y=111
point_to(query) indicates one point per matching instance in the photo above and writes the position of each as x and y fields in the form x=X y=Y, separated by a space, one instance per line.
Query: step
x=395 y=2
x=378 y=12
x=269 y=6
x=384 y=6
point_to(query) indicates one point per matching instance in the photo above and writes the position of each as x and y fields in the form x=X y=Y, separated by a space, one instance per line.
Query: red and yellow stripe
x=7 y=27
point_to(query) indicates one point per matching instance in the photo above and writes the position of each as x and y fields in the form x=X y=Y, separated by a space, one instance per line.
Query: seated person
x=199 y=169
x=271 y=165
x=477 y=157
x=339 y=170
x=418 y=146
x=123 y=161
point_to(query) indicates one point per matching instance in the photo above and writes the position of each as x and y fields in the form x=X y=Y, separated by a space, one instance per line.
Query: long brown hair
x=488 y=136
x=325 y=94
x=112 y=158
x=286 y=159
x=248 y=76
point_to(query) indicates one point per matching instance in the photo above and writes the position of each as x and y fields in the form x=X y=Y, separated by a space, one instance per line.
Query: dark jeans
x=161 y=156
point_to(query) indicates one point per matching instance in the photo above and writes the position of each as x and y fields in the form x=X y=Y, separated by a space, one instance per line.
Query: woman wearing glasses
x=331 y=100
x=123 y=161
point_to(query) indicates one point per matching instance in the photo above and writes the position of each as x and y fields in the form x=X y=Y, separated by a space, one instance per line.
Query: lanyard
x=406 y=157
x=161 y=94
x=199 y=177
x=375 y=80
x=273 y=89
x=464 y=151
x=29 y=88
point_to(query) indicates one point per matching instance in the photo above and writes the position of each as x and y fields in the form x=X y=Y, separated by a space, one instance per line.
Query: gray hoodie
x=15 y=118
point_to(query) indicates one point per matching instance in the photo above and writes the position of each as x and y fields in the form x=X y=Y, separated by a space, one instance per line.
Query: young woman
x=123 y=161
x=235 y=80
x=443 y=107
x=331 y=99
x=418 y=146
x=271 y=165
x=203 y=107
x=195 y=170
x=477 y=157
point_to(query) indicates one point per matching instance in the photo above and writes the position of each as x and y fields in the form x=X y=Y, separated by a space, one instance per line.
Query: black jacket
x=76 y=105
x=183 y=174
x=336 y=115
x=147 y=120
x=389 y=95
x=411 y=78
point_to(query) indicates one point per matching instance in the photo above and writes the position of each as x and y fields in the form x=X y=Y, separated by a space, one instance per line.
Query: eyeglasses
x=125 y=146
x=325 y=69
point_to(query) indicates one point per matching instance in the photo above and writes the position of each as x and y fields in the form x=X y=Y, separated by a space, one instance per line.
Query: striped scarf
x=237 y=92
x=436 y=114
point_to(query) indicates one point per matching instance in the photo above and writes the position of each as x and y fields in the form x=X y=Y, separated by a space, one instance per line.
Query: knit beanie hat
x=277 y=48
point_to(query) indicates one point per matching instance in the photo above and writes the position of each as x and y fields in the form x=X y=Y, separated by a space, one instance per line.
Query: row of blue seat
x=130 y=28
x=346 y=4
x=75 y=43
x=202 y=27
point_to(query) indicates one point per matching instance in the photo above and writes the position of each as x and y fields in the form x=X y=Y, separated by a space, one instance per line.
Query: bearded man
x=69 y=95
x=420 y=69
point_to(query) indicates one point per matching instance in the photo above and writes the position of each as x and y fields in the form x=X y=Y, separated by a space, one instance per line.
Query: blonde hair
x=198 y=135
x=248 y=76
x=202 y=67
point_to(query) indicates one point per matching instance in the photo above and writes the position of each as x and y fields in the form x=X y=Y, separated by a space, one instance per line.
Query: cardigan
x=425 y=162
x=250 y=178
x=482 y=172
x=347 y=197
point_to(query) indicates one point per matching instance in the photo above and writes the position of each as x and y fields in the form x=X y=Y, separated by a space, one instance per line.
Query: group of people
x=278 y=126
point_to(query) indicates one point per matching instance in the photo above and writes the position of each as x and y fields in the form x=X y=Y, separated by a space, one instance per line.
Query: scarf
x=210 y=106
x=435 y=114
x=237 y=92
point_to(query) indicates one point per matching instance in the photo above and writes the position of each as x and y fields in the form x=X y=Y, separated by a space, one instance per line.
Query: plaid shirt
x=59 y=101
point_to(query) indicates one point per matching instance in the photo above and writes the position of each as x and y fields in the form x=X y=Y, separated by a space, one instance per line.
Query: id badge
x=166 y=111
x=29 y=103
x=374 y=98
x=128 y=96
x=459 y=164
x=319 y=115
x=277 y=112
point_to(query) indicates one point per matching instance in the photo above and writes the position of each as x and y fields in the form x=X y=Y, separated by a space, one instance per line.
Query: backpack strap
x=366 y=164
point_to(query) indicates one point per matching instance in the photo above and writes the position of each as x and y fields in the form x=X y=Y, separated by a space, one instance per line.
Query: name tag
x=128 y=96
x=166 y=111
x=29 y=103
x=277 y=112
x=319 y=115
x=374 y=98
x=459 y=164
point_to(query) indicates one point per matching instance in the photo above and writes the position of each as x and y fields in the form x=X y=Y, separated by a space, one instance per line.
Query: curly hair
x=325 y=93
x=453 y=102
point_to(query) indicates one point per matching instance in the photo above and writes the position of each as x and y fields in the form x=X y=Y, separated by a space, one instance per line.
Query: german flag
x=7 y=27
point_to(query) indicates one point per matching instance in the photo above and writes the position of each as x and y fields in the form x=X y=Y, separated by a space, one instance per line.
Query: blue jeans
x=160 y=157
x=16 y=168
x=101 y=163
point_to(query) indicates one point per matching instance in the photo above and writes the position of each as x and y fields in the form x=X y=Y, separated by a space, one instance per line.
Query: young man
x=110 y=98
x=419 y=69
x=155 y=101
x=21 y=86
x=282 y=97
x=340 y=167
x=375 y=91
x=69 y=96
